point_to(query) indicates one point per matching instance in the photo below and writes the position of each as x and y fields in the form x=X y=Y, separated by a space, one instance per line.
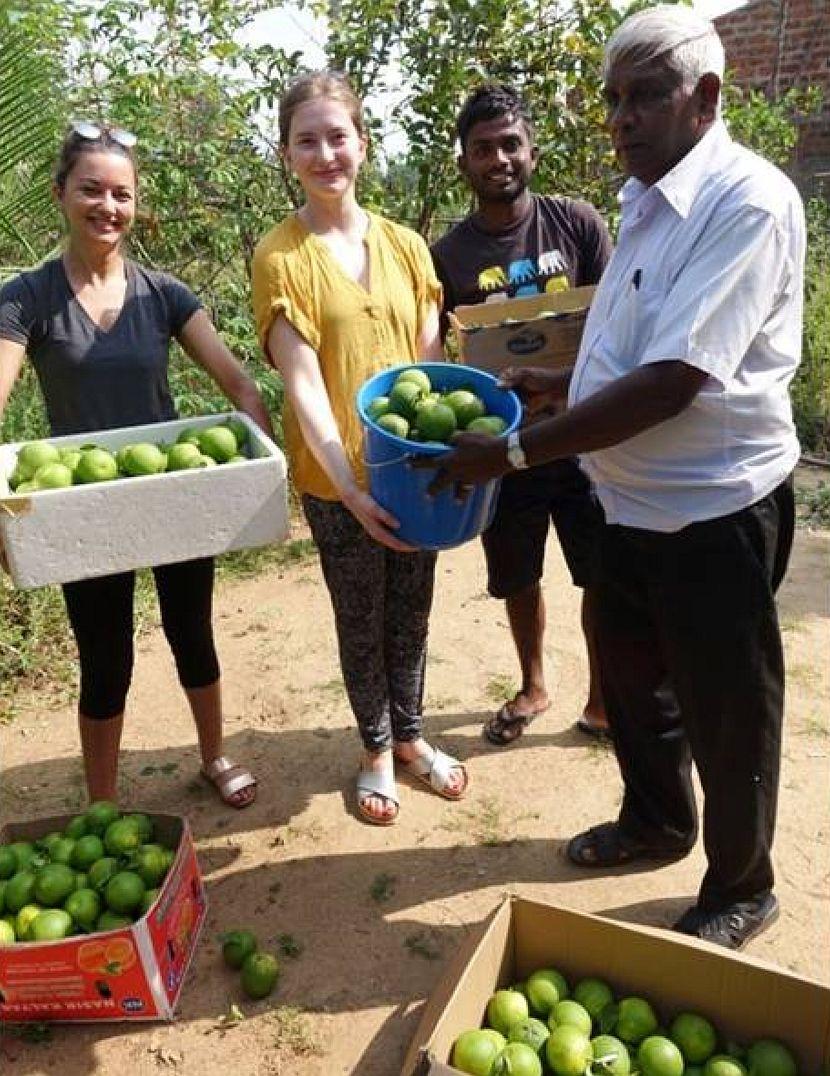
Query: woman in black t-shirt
x=97 y=329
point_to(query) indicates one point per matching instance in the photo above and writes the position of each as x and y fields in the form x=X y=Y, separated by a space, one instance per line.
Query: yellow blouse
x=356 y=332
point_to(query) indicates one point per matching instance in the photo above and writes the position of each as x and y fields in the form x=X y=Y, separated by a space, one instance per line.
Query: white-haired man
x=679 y=407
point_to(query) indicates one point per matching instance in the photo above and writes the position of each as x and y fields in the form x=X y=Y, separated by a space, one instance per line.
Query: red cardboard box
x=131 y=974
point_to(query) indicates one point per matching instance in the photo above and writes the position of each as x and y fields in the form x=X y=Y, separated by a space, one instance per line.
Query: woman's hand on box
x=538 y=387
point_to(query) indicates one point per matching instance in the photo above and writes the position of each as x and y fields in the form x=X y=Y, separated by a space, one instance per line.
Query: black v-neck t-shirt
x=95 y=379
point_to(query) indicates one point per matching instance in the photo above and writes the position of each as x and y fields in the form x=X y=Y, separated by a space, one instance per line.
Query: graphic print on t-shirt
x=524 y=277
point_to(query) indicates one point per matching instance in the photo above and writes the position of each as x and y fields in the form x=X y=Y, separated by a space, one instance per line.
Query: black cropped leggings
x=101 y=614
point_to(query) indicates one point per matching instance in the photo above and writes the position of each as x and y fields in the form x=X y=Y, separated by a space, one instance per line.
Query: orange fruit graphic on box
x=120 y=955
x=91 y=957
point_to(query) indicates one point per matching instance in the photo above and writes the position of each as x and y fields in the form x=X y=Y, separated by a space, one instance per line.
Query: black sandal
x=506 y=727
x=605 y=846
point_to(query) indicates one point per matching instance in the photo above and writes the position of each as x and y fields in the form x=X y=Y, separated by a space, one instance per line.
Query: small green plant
x=382 y=887
x=501 y=687
x=289 y=946
x=814 y=505
x=293 y=1033
x=423 y=944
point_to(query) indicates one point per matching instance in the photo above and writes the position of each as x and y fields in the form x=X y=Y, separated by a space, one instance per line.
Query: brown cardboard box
x=744 y=998
x=536 y=330
x=135 y=973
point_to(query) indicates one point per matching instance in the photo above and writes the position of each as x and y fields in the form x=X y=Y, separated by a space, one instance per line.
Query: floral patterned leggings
x=381 y=601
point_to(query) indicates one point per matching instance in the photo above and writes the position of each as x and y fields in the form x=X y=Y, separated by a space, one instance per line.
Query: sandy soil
x=379 y=912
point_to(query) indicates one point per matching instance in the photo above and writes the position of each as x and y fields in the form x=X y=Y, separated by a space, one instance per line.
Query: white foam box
x=84 y=531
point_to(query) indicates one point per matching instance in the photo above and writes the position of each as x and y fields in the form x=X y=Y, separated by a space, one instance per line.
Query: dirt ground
x=377 y=913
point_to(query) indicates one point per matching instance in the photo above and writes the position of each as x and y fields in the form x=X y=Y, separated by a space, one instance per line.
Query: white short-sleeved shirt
x=709 y=269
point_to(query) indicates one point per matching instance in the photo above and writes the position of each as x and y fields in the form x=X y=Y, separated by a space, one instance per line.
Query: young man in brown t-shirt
x=518 y=243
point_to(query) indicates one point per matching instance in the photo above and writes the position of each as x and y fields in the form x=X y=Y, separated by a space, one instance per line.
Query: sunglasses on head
x=91 y=132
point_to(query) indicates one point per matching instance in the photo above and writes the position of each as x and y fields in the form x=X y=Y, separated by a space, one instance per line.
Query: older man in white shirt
x=679 y=409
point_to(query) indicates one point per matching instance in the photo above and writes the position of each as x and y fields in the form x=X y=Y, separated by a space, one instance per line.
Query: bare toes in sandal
x=235 y=783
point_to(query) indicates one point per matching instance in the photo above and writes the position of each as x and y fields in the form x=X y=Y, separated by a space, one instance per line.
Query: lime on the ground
x=101 y=871
x=594 y=995
x=768 y=1057
x=377 y=407
x=259 y=975
x=530 y=1031
x=544 y=988
x=436 y=422
x=505 y=1008
x=492 y=425
x=8 y=862
x=519 y=1059
x=53 y=884
x=88 y=850
x=76 y=827
x=53 y=476
x=474 y=1052
x=111 y=921
x=418 y=377
x=122 y=837
x=96 y=465
x=695 y=1036
x=724 y=1065
x=7 y=934
x=84 y=906
x=394 y=424
x=570 y=1012
x=218 y=442
x=184 y=456
x=237 y=946
x=150 y=863
x=124 y=892
x=19 y=890
x=611 y=1057
x=636 y=1020
x=99 y=815
x=659 y=1056
x=51 y=925
x=466 y=405
x=402 y=398
x=568 y=1051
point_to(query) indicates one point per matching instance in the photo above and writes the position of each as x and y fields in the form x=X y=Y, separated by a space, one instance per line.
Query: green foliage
x=811 y=387
x=768 y=126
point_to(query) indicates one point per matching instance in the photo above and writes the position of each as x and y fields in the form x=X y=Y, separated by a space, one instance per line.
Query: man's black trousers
x=692 y=670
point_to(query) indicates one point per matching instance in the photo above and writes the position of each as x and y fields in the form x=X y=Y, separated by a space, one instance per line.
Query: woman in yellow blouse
x=339 y=294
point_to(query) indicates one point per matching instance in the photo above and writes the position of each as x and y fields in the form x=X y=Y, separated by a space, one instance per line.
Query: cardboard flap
x=526 y=308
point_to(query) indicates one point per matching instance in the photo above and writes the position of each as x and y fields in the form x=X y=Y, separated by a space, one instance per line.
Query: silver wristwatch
x=515 y=453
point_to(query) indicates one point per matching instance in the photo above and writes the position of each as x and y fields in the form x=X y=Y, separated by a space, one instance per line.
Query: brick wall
x=772 y=45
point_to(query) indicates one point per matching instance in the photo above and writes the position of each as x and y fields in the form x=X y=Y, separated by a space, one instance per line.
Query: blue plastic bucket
x=438 y=522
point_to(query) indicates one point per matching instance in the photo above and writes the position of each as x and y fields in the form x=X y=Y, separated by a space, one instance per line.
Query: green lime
x=544 y=988
x=436 y=422
x=53 y=476
x=395 y=424
x=144 y=823
x=143 y=459
x=48 y=842
x=76 y=827
x=53 y=884
x=724 y=1065
x=87 y=850
x=594 y=995
x=150 y=863
x=84 y=905
x=505 y=1008
x=402 y=398
x=20 y=889
x=36 y=454
x=377 y=407
x=570 y=1012
x=695 y=1036
x=110 y=921
x=237 y=946
x=81 y=880
x=7 y=934
x=611 y=1057
x=8 y=862
x=417 y=377
x=530 y=1031
x=61 y=850
x=239 y=429
x=568 y=1051
x=768 y=1057
x=24 y=853
x=636 y=1020
x=519 y=1059
x=184 y=456
x=659 y=1056
x=147 y=901
x=96 y=465
x=492 y=425
x=50 y=925
x=475 y=1052
x=101 y=871
x=259 y=975
x=99 y=815
x=217 y=442
x=122 y=837
x=124 y=892
x=25 y=917
x=466 y=405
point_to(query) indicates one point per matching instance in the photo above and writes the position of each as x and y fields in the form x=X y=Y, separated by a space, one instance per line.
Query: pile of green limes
x=258 y=971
